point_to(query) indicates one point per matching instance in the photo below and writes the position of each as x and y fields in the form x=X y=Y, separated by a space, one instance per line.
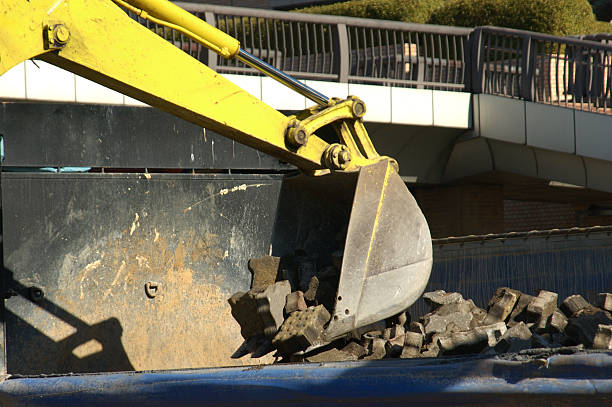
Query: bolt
x=344 y=157
x=359 y=108
x=36 y=294
x=297 y=137
x=61 y=34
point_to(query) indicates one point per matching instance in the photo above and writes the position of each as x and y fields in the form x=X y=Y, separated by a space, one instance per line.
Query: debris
x=377 y=349
x=584 y=327
x=604 y=301
x=541 y=308
x=417 y=327
x=330 y=355
x=558 y=321
x=355 y=349
x=603 y=337
x=403 y=318
x=301 y=330
x=440 y=297
x=454 y=321
x=501 y=305
x=295 y=302
x=412 y=345
x=270 y=306
x=311 y=292
x=473 y=340
x=244 y=310
x=575 y=305
x=519 y=314
x=478 y=314
x=306 y=272
x=395 y=346
x=516 y=338
x=264 y=270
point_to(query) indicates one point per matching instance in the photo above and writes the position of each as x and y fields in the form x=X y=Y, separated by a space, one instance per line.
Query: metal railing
x=542 y=68
x=569 y=72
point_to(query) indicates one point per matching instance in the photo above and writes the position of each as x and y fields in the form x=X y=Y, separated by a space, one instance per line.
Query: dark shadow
x=30 y=351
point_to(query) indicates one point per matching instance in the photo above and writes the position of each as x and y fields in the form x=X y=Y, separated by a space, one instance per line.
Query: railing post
x=527 y=82
x=474 y=77
x=211 y=56
x=341 y=52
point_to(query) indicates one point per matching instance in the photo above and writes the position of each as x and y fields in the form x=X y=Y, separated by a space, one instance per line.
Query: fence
x=569 y=72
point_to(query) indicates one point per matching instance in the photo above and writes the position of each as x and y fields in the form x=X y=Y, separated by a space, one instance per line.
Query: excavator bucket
x=387 y=254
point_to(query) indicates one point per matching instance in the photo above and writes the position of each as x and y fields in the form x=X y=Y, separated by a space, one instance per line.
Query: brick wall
x=520 y=216
x=462 y=210
x=481 y=209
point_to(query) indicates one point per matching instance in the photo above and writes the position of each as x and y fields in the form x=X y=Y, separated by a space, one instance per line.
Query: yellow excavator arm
x=387 y=254
x=99 y=41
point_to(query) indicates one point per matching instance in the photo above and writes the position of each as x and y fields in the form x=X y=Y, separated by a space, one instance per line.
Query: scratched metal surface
x=91 y=242
x=540 y=381
x=577 y=263
x=68 y=134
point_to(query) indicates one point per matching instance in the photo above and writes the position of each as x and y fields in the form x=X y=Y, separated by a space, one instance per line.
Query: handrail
x=573 y=72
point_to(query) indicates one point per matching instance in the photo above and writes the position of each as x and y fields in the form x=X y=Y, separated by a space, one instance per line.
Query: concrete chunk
x=603 y=337
x=440 y=297
x=501 y=305
x=395 y=346
x=455 y=321
x=519 y=313
x=604 y=301
x=558 y=321
x=264 y=270
x=271 y=304
x=355 y=349
x=377 y=349
x=244 y=310
x=541 y=308
x=301 y=330
x=474 y=340
x=516 y=338
x=584 y=327
x=311 y=293
x=331 y=355
x=575 y=305
x=295 y=302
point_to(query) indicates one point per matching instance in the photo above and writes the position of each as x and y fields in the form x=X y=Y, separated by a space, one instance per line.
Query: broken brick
x=604 y=301
x=355 y=349
x=295 y=302
x=516 y=338
x=558 y=321
x=330 y=355
x=501 y=305
x=301 y=330
x=603 y=337
x=473 y=340
x=440 y=297
x=264 y=270
x=377 y=349
x=271 y=304
x=519 y=313
x=244 y=310
x=584 y=327
x=575 y=305
x=541 y=308
x=454 y=321
x=395 y=346
x=311 y=293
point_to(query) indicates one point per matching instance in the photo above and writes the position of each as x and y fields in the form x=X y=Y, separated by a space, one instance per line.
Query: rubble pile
x=290 y=304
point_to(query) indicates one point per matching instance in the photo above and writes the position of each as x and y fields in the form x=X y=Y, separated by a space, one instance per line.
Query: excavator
x=387 y=255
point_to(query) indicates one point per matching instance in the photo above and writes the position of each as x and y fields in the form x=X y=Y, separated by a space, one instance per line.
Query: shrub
x=558 y=17
x=414 y=11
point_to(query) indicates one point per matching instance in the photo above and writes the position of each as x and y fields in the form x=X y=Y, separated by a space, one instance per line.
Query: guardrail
x=569 y=72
